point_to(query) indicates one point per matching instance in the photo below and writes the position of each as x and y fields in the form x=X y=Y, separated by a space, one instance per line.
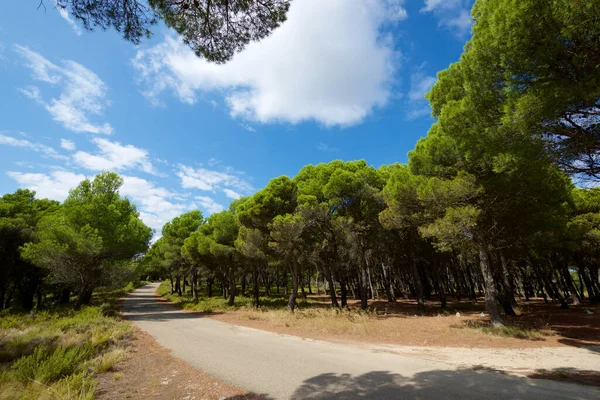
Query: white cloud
x=295 y=74
x=461 y=23
x=248 y=128
x=82 y=92
x=67 y=144
x=157 y=205
x=326 y=148
x=45 y=151
x=209 y=205
x=55 y=185
x=232 y=194
x=114 y=156
x=420 y=84
x=65 y=15
x=431 y=5
x=452 y=14
x=211 y=180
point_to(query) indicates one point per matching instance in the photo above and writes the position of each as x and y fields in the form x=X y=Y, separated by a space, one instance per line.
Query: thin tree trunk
x=294 y=294
x=255 y=291
x=490 y=287
x=416 y=277
x=508 y=297
x=334 y=302
x=344 y=293
x=231 y=301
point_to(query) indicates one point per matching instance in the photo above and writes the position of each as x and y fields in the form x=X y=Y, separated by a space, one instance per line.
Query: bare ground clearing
x=543 y=325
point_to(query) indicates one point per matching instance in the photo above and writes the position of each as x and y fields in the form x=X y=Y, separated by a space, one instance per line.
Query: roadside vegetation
x=63 y=268
x=55 y=353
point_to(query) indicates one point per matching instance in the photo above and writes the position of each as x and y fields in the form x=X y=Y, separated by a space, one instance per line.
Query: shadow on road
x=433 y=385
x=145 y=307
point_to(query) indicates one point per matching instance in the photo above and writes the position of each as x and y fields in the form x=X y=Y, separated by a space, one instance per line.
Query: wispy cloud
x=416 y=105
x=67 y=144
x=453 y=15
x=326 y=148
x=209 y=205
x=115 y=156
x=232 y=194
x=211 y=180
x=83 y=94
x=44 y=150
x=65 y=15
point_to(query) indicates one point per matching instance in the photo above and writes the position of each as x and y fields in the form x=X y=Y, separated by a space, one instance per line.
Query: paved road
x=288 y=367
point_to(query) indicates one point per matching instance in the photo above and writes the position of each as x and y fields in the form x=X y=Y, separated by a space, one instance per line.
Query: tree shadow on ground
x=572 y=375
x=145 y=308
x=440 y=384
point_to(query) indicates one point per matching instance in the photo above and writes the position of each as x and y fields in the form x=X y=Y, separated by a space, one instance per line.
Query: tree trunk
x=490 y=287
x=209 y=283
x=344 y=293
x=84 y=296
x=195 y=284
x=334 y=302
x=294 y=294
x=40 y=298
x=416 y=277
x=231 y=300
x=178 y=286
x=508 y=297
x=363 y=287
x=255 y=291
x=65 y=296
x=302 y=288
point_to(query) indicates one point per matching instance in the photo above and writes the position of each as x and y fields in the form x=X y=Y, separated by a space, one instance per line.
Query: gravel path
x=287 y=367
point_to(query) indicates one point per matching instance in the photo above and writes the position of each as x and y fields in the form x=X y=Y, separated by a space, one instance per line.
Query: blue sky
x=341 y=79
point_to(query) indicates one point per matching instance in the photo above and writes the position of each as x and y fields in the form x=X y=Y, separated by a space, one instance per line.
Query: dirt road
x=288 y=367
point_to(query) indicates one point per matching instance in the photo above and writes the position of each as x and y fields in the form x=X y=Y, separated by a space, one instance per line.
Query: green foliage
x=90 y=240
x=215 y=30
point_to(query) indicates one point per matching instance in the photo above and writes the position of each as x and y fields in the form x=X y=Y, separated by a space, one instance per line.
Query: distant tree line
x=49 y=251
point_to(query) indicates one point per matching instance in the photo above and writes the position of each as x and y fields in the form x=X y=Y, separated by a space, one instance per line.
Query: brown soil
x=398 y=324
x=150 y=372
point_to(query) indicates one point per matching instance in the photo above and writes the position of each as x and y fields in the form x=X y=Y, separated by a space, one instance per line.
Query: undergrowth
x=510 y=331
x=54 y=354
x=216 y=304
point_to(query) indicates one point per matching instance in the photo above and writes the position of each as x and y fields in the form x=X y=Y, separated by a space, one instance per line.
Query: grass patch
x=54 y=354
x=218 y=304
x=324 y=320
x=107 y=361
x=509 y=331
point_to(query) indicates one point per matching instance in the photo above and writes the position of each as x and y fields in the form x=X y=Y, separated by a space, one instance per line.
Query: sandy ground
x=397 y=324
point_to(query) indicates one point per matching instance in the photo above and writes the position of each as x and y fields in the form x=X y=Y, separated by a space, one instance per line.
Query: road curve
x=287 y=367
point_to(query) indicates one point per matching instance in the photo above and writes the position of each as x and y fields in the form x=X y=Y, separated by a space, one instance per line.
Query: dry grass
x=55 y=354
x=334 y=321
x=509 y=331
x=107 y=361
